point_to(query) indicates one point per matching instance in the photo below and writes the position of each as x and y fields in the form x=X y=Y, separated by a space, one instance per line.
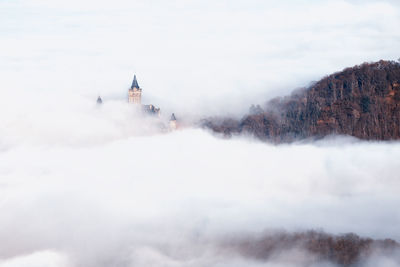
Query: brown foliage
x=363 y=101
x=344 y=250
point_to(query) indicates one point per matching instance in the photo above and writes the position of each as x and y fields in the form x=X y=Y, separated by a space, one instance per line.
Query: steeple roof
x=173 y=118
x=134 y=83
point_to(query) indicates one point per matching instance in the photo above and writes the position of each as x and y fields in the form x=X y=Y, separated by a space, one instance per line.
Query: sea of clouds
x=87 y=185
x=101 y=186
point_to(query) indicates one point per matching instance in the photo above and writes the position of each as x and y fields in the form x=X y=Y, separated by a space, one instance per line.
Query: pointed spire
x=134 y=83
x=99 y=101
x=173 y=118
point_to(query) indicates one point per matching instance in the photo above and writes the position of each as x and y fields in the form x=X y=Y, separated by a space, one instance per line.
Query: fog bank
x=83 y=185
x=118 y=202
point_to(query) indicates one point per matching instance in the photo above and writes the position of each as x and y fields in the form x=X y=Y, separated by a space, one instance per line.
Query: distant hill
x=341 y=250
x=362 y=101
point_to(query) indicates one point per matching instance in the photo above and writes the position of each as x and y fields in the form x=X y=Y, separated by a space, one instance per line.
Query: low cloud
x=95 y=189
x=87 y=185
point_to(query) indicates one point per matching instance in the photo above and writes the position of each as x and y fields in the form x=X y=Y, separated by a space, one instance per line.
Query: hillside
x=341 y=250
x=362 y=101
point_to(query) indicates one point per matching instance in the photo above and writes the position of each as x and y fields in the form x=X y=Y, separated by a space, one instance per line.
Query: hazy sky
x=192 y=56
x=83 y=186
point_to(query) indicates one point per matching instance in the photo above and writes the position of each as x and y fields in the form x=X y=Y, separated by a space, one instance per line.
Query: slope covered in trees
x=342 y=250
x=362 y=101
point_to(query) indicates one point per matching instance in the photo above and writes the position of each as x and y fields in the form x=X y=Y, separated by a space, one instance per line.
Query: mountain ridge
x=361 y=101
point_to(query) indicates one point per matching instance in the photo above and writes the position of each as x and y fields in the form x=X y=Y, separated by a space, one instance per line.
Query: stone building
x=135 y=92
x=135 y=97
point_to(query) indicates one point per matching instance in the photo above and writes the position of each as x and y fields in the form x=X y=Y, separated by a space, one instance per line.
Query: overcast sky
x=189 y=56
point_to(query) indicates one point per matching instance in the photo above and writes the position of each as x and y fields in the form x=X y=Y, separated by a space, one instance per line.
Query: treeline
x=344 y=250
x=362 y=101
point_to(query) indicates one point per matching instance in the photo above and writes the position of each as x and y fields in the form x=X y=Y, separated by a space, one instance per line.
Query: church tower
x=135 y=92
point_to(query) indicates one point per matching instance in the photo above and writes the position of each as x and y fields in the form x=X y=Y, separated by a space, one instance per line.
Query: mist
x=101 y=186
x=195 y=58
x=86 y=185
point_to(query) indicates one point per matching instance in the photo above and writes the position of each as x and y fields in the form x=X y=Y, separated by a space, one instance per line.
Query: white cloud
x=87 y=186
x=190 y=55
x=96 y=203
x=37 y=259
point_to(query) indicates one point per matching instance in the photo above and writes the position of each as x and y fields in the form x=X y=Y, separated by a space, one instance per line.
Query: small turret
x=172 y=123
x=99 y=101
x=135 y=84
